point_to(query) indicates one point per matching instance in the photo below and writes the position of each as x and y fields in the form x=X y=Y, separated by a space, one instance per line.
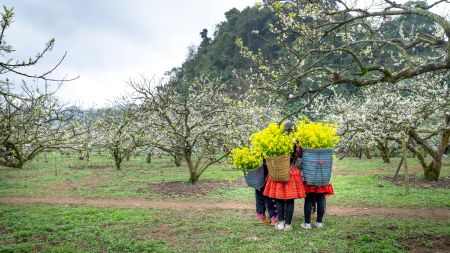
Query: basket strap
x=320 y=163
x=316 y=171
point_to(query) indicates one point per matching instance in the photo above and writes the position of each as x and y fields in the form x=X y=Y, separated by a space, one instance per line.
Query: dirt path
x=419 y=213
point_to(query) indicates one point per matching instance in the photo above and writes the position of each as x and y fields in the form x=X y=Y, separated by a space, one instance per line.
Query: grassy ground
x=100 y=179
x=29 y=228
x=354 y=181
x=85 y=229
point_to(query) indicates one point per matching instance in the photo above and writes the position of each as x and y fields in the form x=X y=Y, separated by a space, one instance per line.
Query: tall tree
x=118 y=132
x=32 y=119
x=32 y=123
x=199 y=123
x=364 y=54
x=419 y=108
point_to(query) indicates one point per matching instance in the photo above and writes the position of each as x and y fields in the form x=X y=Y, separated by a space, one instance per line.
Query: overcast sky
x=110 y=41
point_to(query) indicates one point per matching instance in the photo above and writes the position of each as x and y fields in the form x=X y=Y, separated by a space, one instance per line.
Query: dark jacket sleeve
x=296 y=153
x=266 y=171
x=299 y=151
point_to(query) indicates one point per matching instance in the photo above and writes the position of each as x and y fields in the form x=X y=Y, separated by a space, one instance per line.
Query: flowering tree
x=196 y=121
x=151 y=136
x=382 y=112
x=118 y=133
x=32 y=120
x=337 y=42
x=32 y=123
x=89 y=125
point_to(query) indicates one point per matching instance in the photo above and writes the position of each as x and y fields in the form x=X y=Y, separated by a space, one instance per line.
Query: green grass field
x=85 y=229
x=68 y=228
x=354 y=181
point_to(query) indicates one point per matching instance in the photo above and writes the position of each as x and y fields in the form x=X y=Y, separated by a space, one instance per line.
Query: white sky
x=110 y=41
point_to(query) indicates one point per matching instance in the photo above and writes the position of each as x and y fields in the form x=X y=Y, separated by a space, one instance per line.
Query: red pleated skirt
x=327 y=189
x=292 y=189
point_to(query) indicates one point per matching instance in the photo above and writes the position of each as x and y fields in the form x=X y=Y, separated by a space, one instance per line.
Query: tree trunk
x=193 y=176
x=117 y=162
x=88 y=155
x=367 y=154
x=398 y=169
x=16 y=159
x=178 y=159
x=80 y=155
x=149 y=158
x=405 y=161
x=117 y=159
x=14 y=162
x=433 y=170
x=384 y=150
x=46 y=157
x=20 y=164
x=386 y=158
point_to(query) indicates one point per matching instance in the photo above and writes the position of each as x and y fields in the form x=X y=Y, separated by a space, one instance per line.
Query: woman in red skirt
x=286 y=192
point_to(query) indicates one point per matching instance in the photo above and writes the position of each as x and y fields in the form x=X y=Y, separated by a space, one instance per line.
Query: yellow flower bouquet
x=249 y=161
x=272 y=141
x=316 y=134
x=245 y=158
x=275 y=145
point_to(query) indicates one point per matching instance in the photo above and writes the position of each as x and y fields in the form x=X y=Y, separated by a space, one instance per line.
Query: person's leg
x=271 y=207
x=320 y=199
x=307 y=208
x=307 y=211
x=314 y=205
x=280 y=212
x=289 y=211
x=260 y=206
x=280 y=209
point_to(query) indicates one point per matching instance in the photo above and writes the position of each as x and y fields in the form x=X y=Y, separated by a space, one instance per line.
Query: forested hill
x=218 y=55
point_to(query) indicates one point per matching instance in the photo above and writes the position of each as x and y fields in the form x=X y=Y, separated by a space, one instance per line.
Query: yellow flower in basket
x=275 y=145
x=245 y=158
x=272 y=141
x=316 y=134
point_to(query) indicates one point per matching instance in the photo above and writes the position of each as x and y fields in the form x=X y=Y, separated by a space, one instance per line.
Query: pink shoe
x=260 y=216
x=274 y=220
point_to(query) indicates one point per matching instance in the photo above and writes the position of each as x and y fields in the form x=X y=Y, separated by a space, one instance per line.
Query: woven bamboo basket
x=279 y=167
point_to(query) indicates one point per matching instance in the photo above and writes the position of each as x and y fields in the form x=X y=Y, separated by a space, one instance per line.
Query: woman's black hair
x=289 y=127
